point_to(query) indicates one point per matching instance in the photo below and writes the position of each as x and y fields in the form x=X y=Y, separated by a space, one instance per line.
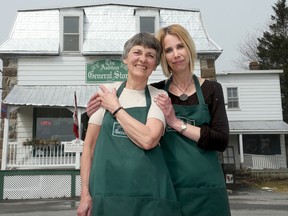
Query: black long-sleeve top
x=216 y=135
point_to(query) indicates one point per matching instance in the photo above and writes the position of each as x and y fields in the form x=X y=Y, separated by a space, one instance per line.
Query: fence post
x=1 y=185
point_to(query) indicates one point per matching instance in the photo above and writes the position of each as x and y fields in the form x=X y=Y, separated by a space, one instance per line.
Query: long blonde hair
x=186 y=39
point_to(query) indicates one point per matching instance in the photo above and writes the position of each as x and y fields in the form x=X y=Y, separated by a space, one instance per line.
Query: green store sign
x=106 y=70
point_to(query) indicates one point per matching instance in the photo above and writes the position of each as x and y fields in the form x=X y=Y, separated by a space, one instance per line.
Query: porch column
x=5 y=142
x=78 y=158
x=241 y=151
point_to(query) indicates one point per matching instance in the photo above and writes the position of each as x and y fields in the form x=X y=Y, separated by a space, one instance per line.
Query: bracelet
x=117 y=110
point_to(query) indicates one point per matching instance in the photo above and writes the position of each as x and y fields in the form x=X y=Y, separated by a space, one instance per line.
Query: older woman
x=127 y=174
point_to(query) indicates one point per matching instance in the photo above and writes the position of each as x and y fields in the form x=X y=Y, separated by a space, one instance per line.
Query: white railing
x=266 y=162
x=39 y=157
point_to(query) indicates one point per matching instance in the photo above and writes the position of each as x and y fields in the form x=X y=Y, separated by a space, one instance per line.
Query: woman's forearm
x=145 y=136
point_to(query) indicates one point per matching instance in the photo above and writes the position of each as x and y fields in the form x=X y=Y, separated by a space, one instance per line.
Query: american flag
x=75 y=118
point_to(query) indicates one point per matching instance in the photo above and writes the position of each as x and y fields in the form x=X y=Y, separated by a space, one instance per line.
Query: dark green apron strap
x=198 y=90
x=120 y=89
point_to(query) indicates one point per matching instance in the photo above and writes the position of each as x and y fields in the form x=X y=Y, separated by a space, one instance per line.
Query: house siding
x=259 y=96
x=24 y=123
x=66 y=70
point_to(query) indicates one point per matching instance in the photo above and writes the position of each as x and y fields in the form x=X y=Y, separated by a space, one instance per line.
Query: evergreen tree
x=272 y=49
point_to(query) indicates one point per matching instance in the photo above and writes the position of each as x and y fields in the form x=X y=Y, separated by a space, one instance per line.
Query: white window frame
x=238 y=100
x=71 y=13
x=147 y=13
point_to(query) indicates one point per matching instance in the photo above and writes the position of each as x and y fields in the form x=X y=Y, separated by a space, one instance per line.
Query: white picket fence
x=266 y=162
x=20 y=156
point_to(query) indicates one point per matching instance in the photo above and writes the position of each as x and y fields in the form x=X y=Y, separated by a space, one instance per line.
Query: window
x=266 y=144
x=147 y=24
x=232 y=98
x=71 y=30
x=147 y=20
x=71 y=33
x=53 y=123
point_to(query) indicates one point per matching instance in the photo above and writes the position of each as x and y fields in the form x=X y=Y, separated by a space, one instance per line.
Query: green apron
x=196 y=173
x=125 y=179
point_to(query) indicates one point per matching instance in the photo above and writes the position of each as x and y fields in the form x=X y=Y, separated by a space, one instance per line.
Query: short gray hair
x=145 y=40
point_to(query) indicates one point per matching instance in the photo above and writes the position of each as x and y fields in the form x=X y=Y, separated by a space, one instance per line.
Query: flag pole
x=76 y=127
x=77 y=132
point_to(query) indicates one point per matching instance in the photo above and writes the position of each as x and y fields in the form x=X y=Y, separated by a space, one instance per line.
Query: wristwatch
x=183 y=127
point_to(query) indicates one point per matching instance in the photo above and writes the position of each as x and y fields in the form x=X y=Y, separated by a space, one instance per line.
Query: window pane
x=71 y=43
x=55 y=128
x=250 y=145
x=147 y=24
x=71 y=24
x=53 y=123
x=233 y=103
x=232 y=98
x=267 y=144
x=229 y=93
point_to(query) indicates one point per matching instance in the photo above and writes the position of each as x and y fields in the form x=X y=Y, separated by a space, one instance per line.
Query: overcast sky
x=227 y=22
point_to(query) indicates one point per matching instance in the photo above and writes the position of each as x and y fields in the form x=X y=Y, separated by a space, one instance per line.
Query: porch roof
x=258 y=127
x=50 y=95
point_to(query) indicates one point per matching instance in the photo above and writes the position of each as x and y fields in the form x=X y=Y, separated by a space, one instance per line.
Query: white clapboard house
x=257 y=129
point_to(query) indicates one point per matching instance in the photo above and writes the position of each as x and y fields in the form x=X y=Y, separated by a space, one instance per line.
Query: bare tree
x=248 y=48
x=248 y=51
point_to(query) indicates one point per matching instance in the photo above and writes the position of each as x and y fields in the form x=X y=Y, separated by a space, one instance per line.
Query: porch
x=232 y=161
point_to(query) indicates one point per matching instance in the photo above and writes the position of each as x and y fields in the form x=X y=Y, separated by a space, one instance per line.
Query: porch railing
x=266 y=162
x=20 y=156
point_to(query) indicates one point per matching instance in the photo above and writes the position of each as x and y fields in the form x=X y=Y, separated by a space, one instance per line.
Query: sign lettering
x=106 y=70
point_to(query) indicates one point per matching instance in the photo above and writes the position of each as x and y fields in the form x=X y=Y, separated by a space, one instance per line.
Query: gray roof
x=56 y=96
x=106 y=28
x=258 y=127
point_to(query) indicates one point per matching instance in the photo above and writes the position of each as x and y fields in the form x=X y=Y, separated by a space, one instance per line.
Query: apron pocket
x=134 y=206
x=203 y=201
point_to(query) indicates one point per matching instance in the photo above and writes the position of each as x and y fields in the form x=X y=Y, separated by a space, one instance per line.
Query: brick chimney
x=207 y=67
x=253 y=65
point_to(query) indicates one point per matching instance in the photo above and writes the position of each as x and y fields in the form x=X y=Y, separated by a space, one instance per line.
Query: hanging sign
x=73 y=146
x=106 y=70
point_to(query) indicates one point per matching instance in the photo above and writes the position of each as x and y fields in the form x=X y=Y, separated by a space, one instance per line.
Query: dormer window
x=71 y=33
x=147 y=20
x=72 y=30
x=147 y=24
